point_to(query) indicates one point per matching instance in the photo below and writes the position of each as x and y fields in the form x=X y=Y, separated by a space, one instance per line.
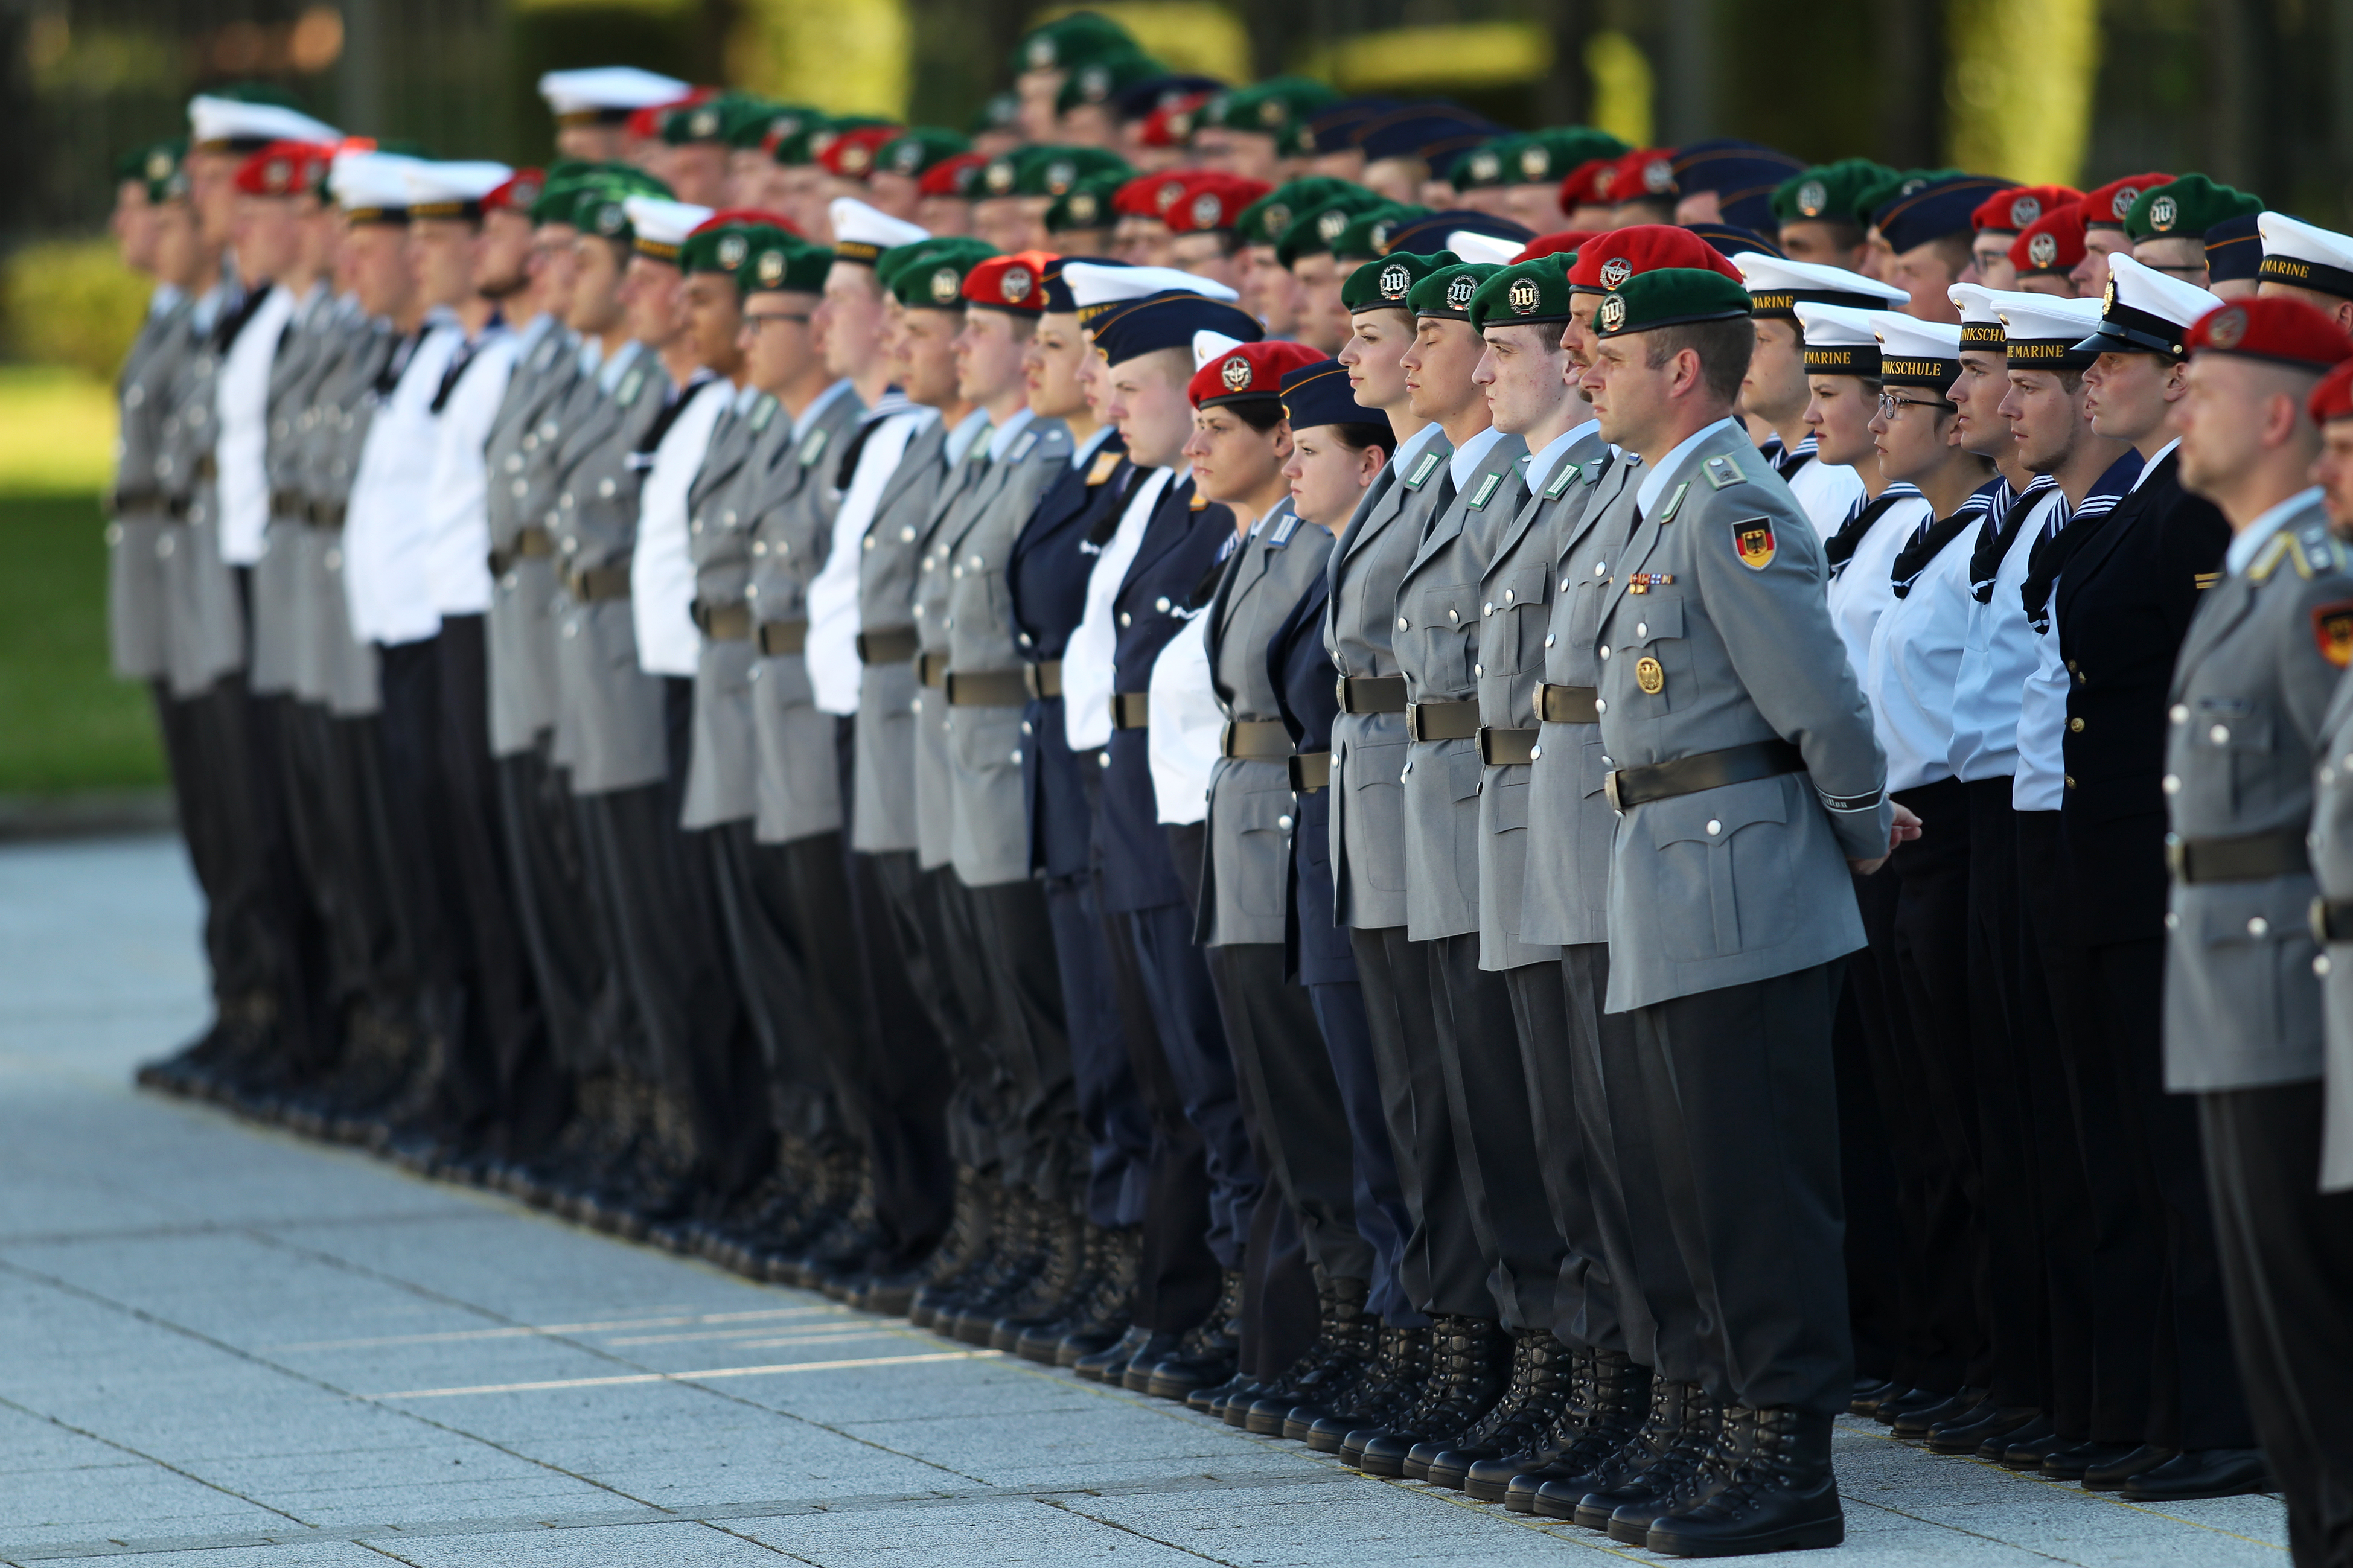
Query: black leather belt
x=988 y=688
x=1709 y=769
x=594 y=583
x=1254 y=740
x=783 y=637
x=1507 y=748
x=1569 y=704
x=327 y=514
x=530 y=545
x=1131 y=710
x=207 y=468
x=1372 y=693
x=892 y=645
x=1311 y=771
x=931 y=670
x=139 y=500
x=2332 y=919
x=723 y=622
x=1442 y=720
x=2246 y=858
x=1045 y=679
x=290 y=504
x=176 y=507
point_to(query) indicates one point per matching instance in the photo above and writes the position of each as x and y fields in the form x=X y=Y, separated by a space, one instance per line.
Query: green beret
x=2187 y=208
x=159 y=166
x=1069 y=41
x=1054 y=171
x=1367 y=234
x=693 y=122
x=1874 y=195
x=1488 y=164
x=1388 y=284
x=931 y=276
x=1533 y=292
x=559 y=199
x=1086 y=204
x=919 y=147
x=1002 y=112
x=778 y=260
x=1669 y=297
x=797 y=133
x=720 y=247
x=1272 y=107
x=744 y=118
x=1263 y=221
x=1447 y=291
x=1313 y=232
x=1545 y=157
x=1833 y=191
x=1102 y=79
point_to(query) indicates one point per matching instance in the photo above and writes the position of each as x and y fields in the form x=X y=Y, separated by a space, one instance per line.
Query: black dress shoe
x=1913 y=1425
x=1108 y=1364
x=1988 y=1421
x=2112 y=1474
x=1868 y=1393
x=1892 y=1405
x=2036 y=1437
x=2202 y=1473
x=2068 y=1461
x=1780 y=1498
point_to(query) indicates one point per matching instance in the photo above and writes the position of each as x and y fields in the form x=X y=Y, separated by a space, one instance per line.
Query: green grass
x=66 y=723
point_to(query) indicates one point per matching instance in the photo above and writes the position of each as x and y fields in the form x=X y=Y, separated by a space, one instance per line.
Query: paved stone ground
x=224 y=1348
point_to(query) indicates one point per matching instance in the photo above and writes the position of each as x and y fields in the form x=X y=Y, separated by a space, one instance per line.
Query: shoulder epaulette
x=1199 y=501
x=1722 y=472
x=2284 y=546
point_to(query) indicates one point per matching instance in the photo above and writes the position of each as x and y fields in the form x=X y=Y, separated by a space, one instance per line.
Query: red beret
x=2106 y=207
x=730 y=217
x=1567 y=240
x=1015 y=282
x=1250 y=370
x=1645 y=172
x=1579 y=189
x=1607 y=262
x=2053 y=242
x=1149 y=196
x=2011 y=211
x=952 y=177
x=2333 y=398
x=850 y=155
x=1211 y=201
x=2285 y=332
x=284 y=169
x=646 y=123
x=1173 y=124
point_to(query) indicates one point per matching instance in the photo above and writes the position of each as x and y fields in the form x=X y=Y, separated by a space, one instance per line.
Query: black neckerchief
x=1842 y=544
x=1108 y=524
x=1924 y=545
x=1994 y=540
x=2043 y=563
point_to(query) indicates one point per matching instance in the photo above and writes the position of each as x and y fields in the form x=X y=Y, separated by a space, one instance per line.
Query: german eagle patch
x=2332 y=629
x=1753 y=542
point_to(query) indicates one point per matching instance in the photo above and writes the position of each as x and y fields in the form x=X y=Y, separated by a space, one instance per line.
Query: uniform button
x=2075 y=726
x=1454 y=617
x=1641 y=628
x=1102 y=759
x=948 y=624
x=1564 y=584
x=1534 y=752
x=570 y=547
x=164 y=546
x=514 y=462
x=1601 y=569
x=755 y=675
x=1479 y=670
x=334 y=560
x=2170 y=783
x=605 y=488
x=1607 y=763
x=1488 y=608
x=1017 y=756
x=1508 y=595
x=1547 y=640
x=1401 y=624
x=759 y=547
x=2220 y=734
x=976 y=563
x=727 y=518
x=906 y=536
x=1601 y=705
x=2320 y=965
x=1603 y=650
x=753 y=592
x=2328 y=772
x=520 y=488
x=2069 y=779
x=1407 y=769
x=956 y=573
x=2178 y=712
x=1024 y=639
x=919 y=611
x=2259 y=927
x=1125 y=619
x=1161 y=604
x=1714 y=827
x=2172 y=920
x=1025 y=727
x=572 y=629
x=114 y=533
x=564 y=499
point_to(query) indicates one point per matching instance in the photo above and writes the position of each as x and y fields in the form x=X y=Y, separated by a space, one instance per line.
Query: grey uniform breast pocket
x=1650 y=639
x=1522 y=611
x=1724 y=874
x=1448 y=620
x=2237 y=733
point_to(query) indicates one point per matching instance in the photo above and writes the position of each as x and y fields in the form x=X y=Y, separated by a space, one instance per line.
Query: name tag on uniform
x=1422 y=470
x=1561 y=481
x=1486 y=490
x=1021 y=447
x=1106 y=464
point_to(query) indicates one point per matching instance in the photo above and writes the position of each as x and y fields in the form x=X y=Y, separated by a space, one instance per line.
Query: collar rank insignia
x=2202 y=581
x=1199 y=501
x=762 y=412
x=1753 y=542
x=1422 y=470
x=814 y=446
x=1021 y=447
x=1485 y=491
x=1561 y=481
x=1674 y=504
x=1722 y=472
x=1105 y=465
x=1281 y=537
x=1643 y=582
x=2332 y=629
x=631 y=384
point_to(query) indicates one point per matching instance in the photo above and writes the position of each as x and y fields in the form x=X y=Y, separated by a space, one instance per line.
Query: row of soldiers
x=778 y=725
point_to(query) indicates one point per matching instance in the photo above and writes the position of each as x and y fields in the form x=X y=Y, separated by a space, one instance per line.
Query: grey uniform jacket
x=988 y=841
x=1437 y=643
x=2251 y=688
x=518 y=631
x=204 y=624
x=2332 y=867
x=608 y=720
x=795 y=763
x=882 y=816
x=1515 y=602
x=284 y=574
x=137 y=525
x=1246 y=875
x=331 y=665
x=956 y=507
x=722 y=508
x=1742 y=881
x=1368 y=749
x=1564 y=886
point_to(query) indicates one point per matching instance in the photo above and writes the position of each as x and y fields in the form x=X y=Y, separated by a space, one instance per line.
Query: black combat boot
x=1518 y=1423
x=1068 y=1251
x=1331 y=1366
x=1672 y=1406
x=1607 y=1400
x=1779 y=1497
x=1467 y=1360
x=1205 y=1356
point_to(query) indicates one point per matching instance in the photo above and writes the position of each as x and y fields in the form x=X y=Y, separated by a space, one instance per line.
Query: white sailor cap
x=2144 y=311
x=2296 y=252
x=2043 y=331
x=1980 y=310
x=606 y=94
x=1775 y=286
x=1913 y=352
x=1471 y=246
x=861 y=233
x=1840 y=339
x=231 y=124
x=453 y=189
x=663 y=225
x=1209 y=345
x=371 y=187
x=1092 y=284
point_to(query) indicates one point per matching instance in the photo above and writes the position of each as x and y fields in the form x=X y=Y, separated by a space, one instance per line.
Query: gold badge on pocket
x=1652 y=678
